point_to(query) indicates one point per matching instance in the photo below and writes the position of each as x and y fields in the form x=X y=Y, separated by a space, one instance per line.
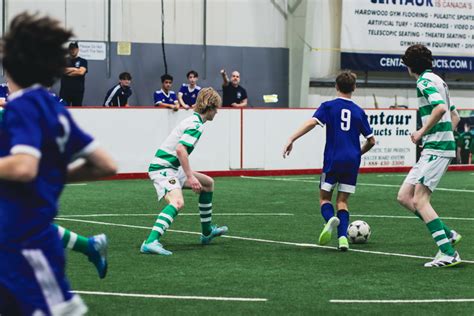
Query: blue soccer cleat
x=215 y=232
x=154 y=248
x=98 y=253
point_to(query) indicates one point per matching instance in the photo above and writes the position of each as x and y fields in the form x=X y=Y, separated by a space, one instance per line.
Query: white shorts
x=428 y=171
x=167 y=180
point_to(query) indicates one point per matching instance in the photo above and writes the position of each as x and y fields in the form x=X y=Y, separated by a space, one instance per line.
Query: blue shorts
x=347 y=181
x=32 y=277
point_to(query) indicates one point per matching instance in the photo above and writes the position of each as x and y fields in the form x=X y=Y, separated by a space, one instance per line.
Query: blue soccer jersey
x=189 y=96
x=161 y=97
x=3 y=91
x=34 y=123
x=345 y=121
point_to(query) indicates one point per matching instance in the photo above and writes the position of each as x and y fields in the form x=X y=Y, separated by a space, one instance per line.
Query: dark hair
x=192 y=72
x=33 y=50
x=418 y=58
x=346 y=81
x=125 y=76
x=166 y=77
x=73 y=45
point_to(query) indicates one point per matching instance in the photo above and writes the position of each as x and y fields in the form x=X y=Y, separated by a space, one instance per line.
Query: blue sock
x=327 y=210
x=343 y=216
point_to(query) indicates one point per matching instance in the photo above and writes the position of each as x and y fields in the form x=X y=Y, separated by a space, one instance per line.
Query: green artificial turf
x=295 y=277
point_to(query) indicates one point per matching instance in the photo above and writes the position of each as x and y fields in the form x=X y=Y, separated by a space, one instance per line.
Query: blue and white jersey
x=345 y=121
x=55 y=96
x=3 y=91
x=34 y=123
x=161 y=97
x=189 y=96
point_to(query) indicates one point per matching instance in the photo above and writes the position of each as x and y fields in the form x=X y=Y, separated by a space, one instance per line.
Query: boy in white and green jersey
x=439 y=147
x=170 y=172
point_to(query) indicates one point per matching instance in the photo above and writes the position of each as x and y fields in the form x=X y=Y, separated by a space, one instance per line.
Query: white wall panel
x=253 y=23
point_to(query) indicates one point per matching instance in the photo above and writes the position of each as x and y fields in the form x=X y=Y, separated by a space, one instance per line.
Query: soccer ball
x=358 y=232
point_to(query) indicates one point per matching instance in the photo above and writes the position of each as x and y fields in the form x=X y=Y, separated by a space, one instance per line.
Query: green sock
x=73 y=241
x=436 y=229
x=205 y=212
x=447 y=230
x=163 y=221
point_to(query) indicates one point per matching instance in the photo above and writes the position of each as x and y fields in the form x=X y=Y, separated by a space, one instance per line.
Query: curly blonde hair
x=207 y=99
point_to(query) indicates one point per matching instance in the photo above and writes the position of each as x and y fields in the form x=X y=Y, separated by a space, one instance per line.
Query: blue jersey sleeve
x=173 y=97
x=321 y=114
x=157 y=97
x=21 y=122
x=183 y=88
x=366 y=129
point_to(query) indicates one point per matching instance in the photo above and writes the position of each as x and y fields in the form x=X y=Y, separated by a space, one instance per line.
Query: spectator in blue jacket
x=118 y=95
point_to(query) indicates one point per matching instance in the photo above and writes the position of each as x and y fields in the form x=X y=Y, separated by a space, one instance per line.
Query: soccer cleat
x=455 y=238
x=444 y=260
x=343 y=243
x=154 y=248
x=215 y=232
x=326 y=234
x=98 y=253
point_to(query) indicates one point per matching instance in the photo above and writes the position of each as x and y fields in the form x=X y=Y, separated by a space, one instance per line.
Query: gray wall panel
x=263 y=71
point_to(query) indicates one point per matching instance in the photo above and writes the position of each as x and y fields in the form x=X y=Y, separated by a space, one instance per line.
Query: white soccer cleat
x=444 y=260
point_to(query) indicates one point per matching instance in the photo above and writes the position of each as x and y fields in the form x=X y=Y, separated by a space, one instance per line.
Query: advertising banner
x=392 y=129
x=375 y=33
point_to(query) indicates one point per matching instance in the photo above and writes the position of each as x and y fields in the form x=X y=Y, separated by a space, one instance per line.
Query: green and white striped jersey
x=432 y=91
x=187 y=133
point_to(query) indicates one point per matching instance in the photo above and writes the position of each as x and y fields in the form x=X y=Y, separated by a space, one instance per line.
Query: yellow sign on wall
x=124 y=48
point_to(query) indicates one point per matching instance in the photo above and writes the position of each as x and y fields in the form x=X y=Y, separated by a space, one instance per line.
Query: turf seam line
x=362 y=184
x=177 y=297
x=258 y=240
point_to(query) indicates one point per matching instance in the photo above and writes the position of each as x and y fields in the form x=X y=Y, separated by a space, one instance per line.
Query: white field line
x=442 y=300
x=256 y=239
x=413 y=217
x=75 y=184
x=175 y=297
x=180 y=214
x=363 y=184
x=250 y=214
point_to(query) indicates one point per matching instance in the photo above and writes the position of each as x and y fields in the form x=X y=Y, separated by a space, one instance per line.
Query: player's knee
x=178 y=204
x=403 y=199
x=209 y=186
x=419 y=202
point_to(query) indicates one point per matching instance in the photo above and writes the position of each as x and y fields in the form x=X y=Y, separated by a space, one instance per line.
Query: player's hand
x=287 y=150
x=186 y=107
x=175 y=107
x=416 y=136
x=222 y=71
x=194 y=184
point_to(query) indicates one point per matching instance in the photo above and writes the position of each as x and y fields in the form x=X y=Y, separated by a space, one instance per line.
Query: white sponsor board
x=264 y=131
x=392 y=129
x=389 y=26
x=92 y=50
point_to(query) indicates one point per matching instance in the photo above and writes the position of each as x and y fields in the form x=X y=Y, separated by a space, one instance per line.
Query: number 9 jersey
x=345 y=121
x=34 y=123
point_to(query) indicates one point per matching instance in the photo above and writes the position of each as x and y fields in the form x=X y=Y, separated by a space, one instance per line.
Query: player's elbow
x=181 y=151
x=109 y=168
x=371 y=141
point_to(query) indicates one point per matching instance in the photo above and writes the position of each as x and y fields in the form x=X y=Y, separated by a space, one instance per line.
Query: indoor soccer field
x=270 y=262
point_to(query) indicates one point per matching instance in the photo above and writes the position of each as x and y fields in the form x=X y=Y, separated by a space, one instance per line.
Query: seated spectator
x=188 y=93
x=234 y=95
x=118 y=95
x=3 y=93
x=166 y=98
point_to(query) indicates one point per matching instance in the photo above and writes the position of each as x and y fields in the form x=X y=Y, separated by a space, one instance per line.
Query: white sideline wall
x=132 y=136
